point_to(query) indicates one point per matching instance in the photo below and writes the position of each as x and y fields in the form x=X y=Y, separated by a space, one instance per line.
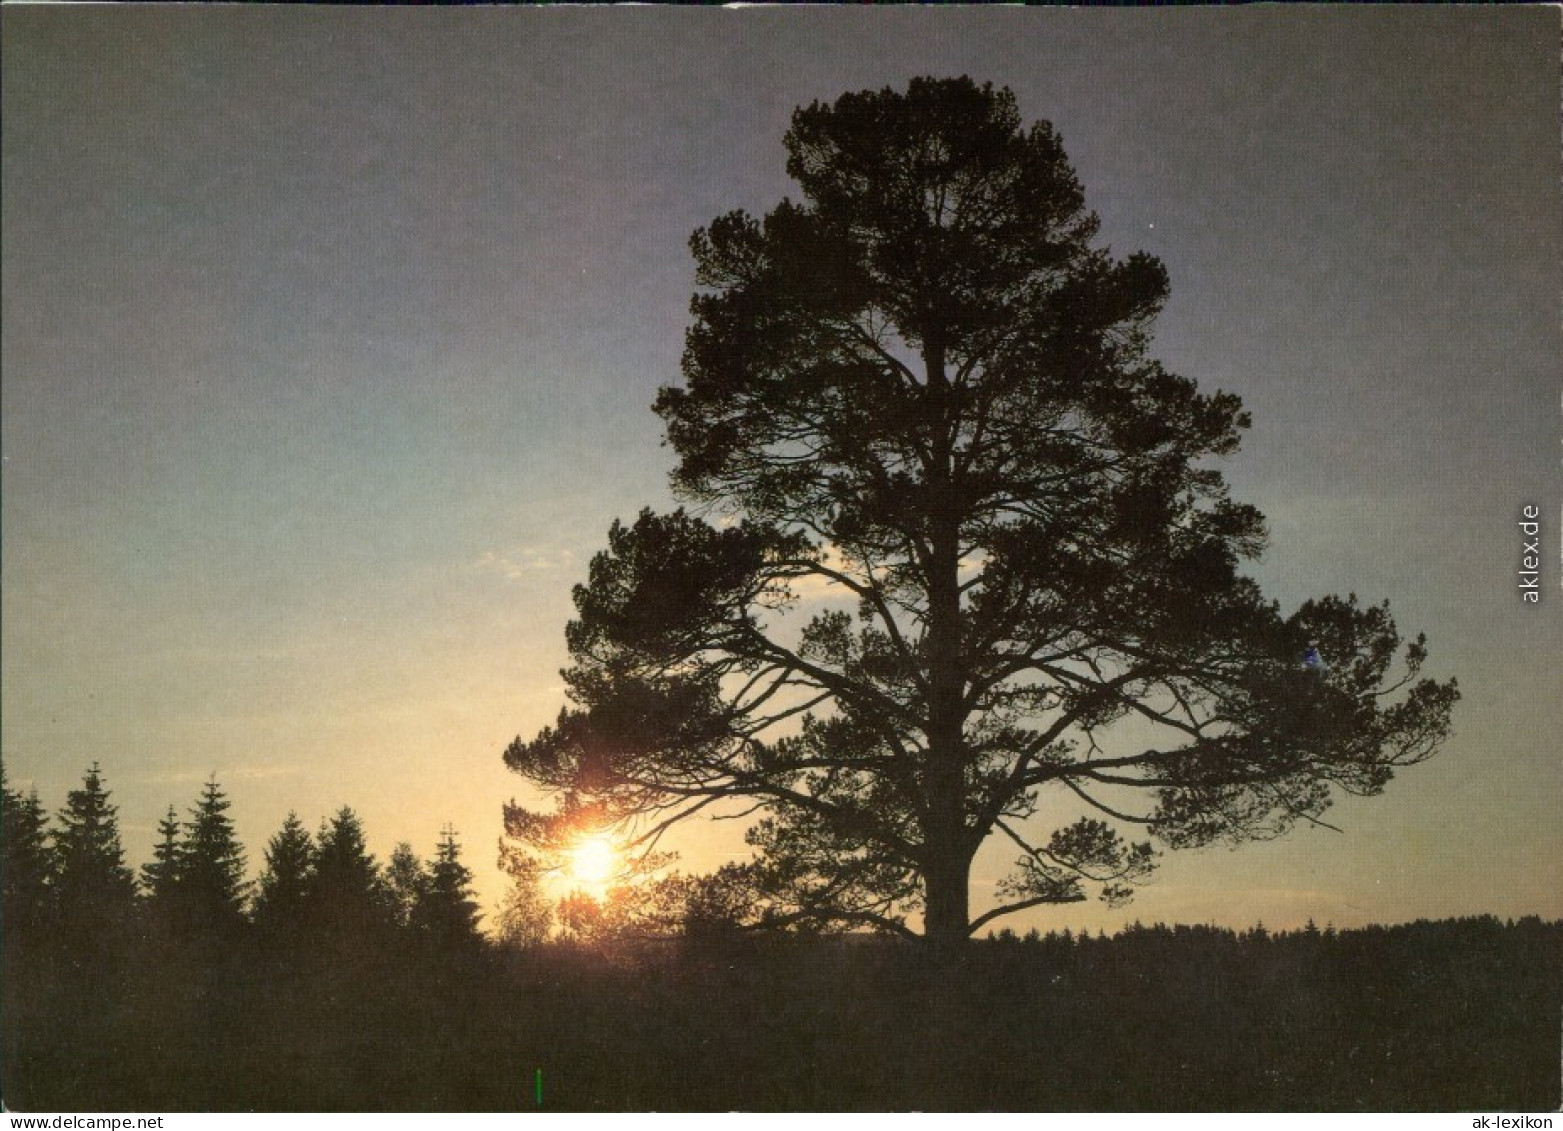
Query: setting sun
x=593 y=861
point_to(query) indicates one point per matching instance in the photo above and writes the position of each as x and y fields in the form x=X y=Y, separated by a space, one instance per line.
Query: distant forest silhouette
x=335 y=983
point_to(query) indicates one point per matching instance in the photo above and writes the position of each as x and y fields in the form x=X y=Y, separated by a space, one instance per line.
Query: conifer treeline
x=335 y=984
x=69 y=877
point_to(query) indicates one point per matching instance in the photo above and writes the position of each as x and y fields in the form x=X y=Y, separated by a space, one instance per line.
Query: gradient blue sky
x=330 y=337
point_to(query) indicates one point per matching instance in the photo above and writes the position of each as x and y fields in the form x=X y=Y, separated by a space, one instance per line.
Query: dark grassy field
x=1456 y=1015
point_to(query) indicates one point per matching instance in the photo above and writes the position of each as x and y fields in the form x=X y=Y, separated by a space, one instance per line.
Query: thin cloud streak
x=526 y=562
x=222 y=774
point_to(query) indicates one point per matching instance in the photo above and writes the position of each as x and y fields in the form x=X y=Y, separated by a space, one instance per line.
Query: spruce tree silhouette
x=282 y=892
x=347 y=901
x=445 y=911
x=96 y=891
x=209 y=867
x=27 y=883
x=159 y=877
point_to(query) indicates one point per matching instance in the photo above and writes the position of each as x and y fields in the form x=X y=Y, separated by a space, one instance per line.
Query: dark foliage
x=94 y=892
x=212 y=868
x=526 y=914
x=28 y=878
x=283 y=890
x=356 y=1012
x=407 y=880
x=922 y=393
x=1458 y=1015
x=159 y=878
x=444 y=912
x=346 y=899
x=196 y=881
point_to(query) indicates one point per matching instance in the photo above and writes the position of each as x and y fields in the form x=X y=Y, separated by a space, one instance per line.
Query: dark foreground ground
x=1459 y=1015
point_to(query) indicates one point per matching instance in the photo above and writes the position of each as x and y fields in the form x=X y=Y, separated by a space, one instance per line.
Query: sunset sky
x=330 y=337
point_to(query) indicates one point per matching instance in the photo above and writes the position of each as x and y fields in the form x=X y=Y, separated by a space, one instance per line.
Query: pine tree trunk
x=947 y=915
x=947 y=851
